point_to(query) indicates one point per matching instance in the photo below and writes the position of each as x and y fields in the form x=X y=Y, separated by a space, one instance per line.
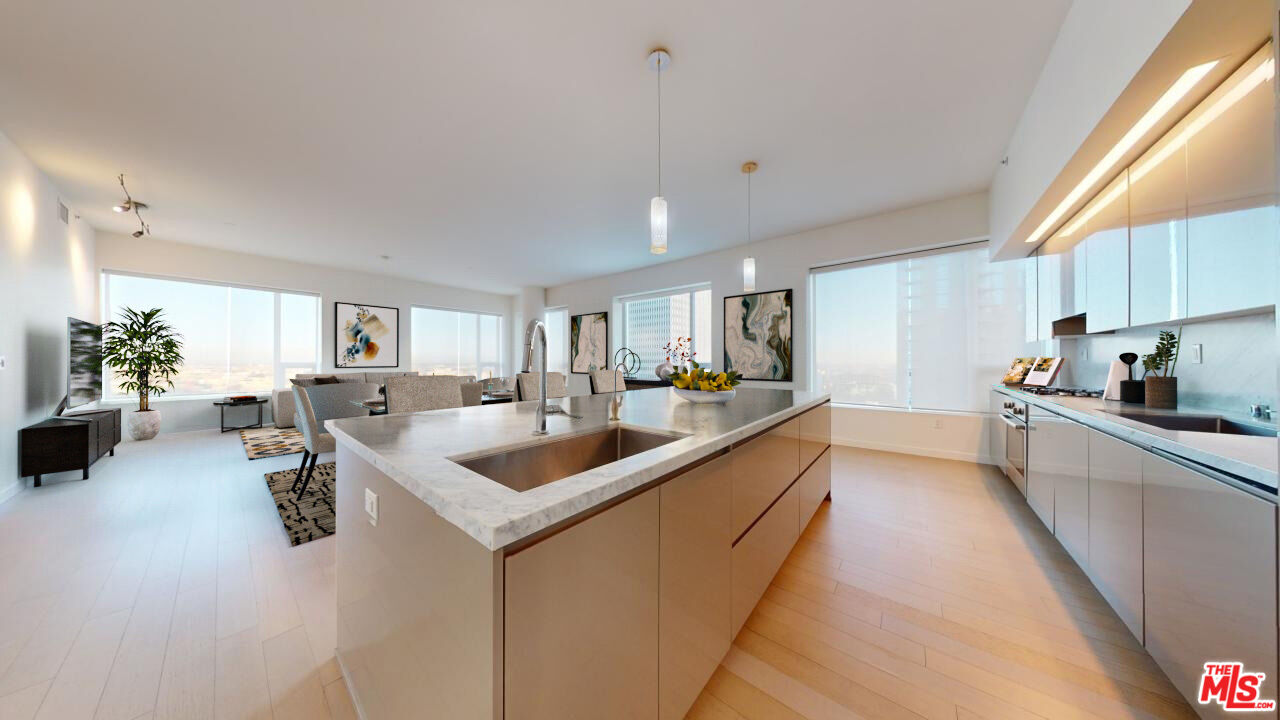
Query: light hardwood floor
x=165 y=588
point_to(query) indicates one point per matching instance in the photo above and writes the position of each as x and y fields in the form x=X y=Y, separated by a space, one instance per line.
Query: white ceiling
x=499 y=144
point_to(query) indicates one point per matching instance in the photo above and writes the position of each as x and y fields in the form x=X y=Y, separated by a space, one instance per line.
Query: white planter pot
x=144 y=424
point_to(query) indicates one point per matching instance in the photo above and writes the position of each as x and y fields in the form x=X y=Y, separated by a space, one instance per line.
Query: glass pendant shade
x=749 y=274
x=658 y=225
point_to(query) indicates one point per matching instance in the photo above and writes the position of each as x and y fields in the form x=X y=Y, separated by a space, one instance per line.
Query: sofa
x=282 y=404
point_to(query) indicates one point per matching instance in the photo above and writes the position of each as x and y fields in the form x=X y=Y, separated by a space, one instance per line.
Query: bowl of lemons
x=705 y=385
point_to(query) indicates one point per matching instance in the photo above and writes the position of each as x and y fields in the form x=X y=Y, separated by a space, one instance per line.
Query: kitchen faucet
x=535 y=329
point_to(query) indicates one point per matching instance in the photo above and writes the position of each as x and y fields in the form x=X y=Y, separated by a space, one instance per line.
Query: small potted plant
x=679 y=354
x=1158 y=367
x=145 y=352
x=704 y=385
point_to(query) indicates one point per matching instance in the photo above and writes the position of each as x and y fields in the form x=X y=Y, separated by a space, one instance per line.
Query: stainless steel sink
x=533 y=466
x=1198 y=423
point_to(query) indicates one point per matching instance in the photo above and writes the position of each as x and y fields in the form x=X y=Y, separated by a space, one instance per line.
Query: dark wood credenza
x=68 y=442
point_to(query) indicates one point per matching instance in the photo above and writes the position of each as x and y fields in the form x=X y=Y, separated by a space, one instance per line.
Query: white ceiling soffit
x=1226 y=31
x=495 y=145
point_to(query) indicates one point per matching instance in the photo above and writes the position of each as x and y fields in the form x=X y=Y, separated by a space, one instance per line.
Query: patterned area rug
x=310 y=518
x=270 y=442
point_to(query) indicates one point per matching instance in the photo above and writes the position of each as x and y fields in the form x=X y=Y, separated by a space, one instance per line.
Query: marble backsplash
x=1238 y=367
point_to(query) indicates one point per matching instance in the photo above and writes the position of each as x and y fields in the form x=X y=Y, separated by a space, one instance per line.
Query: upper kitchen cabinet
x=1106 y=220
x=1056 y=272
x=1231 y=193
x=1158 y=233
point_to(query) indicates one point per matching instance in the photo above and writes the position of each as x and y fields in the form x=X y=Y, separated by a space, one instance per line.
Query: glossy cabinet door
x=1231 y=194
x=815 y=485
x=1158 y=233
x=1107 y=256
x=1056 y=276
x=815 y=434
x=581 y=619
x=1031 y=299
x=762 y=468
x=759 y=554
x=1209 y=575
x=1058 y=477
x=1115 y=526
x=694 y=583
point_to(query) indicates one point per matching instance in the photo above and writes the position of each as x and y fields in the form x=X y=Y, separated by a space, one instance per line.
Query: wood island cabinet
x=694 y=583
x=582 y=619
x=762 y=468
x=622 y=612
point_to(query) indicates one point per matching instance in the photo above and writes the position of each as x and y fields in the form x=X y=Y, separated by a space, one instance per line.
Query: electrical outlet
x=1197 y=354
x=2 y=363
x=371 y=506
x=937 y=423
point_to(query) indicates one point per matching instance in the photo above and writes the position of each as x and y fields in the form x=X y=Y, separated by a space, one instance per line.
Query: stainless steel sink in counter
x=529 y=467
x=1197 y=423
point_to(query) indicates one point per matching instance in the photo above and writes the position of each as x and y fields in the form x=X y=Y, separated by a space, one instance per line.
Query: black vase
x=1133 y=391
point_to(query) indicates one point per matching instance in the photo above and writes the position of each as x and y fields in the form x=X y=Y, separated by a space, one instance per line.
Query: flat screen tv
x=84 y=368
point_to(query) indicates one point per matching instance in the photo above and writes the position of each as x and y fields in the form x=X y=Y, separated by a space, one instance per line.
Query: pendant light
x=659 y=60
x=749 y=264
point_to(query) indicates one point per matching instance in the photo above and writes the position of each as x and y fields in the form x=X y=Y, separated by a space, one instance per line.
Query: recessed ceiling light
x=1157 y=111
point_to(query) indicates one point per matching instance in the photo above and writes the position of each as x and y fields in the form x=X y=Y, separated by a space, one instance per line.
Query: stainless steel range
x=1014 y=416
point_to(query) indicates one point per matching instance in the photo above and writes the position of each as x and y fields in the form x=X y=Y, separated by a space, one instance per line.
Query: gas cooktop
x=1071 y=392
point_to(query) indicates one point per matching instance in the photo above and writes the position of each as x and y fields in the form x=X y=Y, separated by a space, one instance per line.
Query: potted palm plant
x=145 y=352
x=1158 y=366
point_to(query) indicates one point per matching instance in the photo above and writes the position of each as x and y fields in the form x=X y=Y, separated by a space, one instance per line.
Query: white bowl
x=699 y=396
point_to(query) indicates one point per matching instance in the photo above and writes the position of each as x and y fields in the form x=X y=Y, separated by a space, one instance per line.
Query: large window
x=926 y=331
x=235 y=339
x=651 y=321
x=449 y=342
x=557 y=323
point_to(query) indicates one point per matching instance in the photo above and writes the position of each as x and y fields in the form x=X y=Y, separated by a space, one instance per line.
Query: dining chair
x=472 y=394
x=314 y=405
x=603 y=381
x=527 y=386
x=425 y=392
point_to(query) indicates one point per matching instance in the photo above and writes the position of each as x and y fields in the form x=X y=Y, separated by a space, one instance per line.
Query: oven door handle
x=1012 y=423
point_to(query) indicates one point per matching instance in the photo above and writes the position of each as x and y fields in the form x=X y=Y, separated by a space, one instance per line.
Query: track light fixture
x=133 y=206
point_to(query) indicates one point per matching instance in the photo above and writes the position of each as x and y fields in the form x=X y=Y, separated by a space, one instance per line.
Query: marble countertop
x=1252 y=458
x=416 y=449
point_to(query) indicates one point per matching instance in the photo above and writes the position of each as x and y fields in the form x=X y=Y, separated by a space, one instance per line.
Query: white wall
x=157 y=257
x=785 y=262
x=1101 y=45
x=46 y=274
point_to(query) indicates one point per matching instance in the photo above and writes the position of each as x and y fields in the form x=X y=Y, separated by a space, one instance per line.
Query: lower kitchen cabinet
x=694 y=584
x=759 y=554
x=815 y=434
x=1058 y=479
x=1209 y=575
x=998 y=430
x=581 y=628
x=815 y=485
x=1115 y=526
x=762 y=468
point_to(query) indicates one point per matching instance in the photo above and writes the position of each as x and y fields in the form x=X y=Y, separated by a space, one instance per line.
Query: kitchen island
x=599 y=571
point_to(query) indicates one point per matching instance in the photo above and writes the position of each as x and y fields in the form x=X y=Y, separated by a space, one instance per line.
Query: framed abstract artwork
x=366 y=335
x=589 y=342
x=757 y=335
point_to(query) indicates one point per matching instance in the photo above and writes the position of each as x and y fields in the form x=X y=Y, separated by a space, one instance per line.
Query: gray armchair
x=604 y=381
x=316 y=404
